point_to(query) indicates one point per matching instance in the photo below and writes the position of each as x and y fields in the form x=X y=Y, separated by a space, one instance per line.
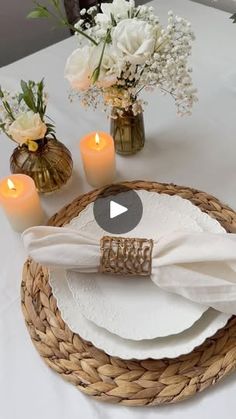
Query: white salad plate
x=134 y=308
x=170 y=347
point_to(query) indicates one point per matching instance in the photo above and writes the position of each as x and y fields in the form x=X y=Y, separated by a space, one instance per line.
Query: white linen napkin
x=199 y=266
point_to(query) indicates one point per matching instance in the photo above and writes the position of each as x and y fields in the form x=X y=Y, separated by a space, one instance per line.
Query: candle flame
x=11 y=185
x=97 y=139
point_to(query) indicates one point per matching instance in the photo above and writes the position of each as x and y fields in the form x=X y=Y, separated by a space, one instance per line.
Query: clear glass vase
x=128 y=131
x=50 y=166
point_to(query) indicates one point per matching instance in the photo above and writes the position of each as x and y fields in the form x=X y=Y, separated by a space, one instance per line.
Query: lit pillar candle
x=98 y=155
x=20 y=202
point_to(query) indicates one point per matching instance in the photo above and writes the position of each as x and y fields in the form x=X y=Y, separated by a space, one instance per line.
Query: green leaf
x=113 y=21
x=24 y=86
x=50 y=129
x=8 y=109
x=38 y=12
x=95 y=75
x=51 y=126
x=28 y=96
x=40 y=102
x=7 y=106
x=20 y=97
x=41 y=86
x=35 y=14
x=233 y=17
x=56 y=3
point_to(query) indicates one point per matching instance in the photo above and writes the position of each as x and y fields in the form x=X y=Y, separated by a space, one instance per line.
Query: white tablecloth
x=199 y=151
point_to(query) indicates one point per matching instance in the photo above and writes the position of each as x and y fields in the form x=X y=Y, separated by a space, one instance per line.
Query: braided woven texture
x=109 y=379
x=126 y=256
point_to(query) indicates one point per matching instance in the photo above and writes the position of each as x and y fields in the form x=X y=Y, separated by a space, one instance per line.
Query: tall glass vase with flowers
x=122 y=50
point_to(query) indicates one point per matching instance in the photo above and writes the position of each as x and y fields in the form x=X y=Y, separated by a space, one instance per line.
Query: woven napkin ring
x=126 y=256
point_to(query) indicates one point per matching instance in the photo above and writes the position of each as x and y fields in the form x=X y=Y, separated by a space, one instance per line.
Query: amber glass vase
x=128 y=131
x=50 y=166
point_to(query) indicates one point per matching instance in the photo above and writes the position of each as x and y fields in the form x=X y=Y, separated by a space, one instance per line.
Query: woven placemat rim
x=131 y=383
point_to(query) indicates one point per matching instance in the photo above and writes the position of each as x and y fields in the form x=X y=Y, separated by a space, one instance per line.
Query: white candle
x=98 y=155
x=20 y=202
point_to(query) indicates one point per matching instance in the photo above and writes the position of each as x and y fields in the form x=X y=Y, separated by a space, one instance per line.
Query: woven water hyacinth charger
x=110 y=379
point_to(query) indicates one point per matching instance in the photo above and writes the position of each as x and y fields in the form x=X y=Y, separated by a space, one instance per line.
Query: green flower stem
x=97 y=70
x=6 y=105
x=141 y=88
x=73 y=28
x=65 y=22
x=103 y=49
x=59 y=15
x=8 y=109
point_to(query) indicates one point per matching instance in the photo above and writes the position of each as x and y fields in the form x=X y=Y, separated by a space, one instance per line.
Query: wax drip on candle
x=11 y=185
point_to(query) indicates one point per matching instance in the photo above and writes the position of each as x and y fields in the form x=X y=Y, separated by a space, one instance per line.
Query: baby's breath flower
x=124 y=70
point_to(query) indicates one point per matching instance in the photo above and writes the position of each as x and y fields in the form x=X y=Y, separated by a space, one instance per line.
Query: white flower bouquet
x=123 y=49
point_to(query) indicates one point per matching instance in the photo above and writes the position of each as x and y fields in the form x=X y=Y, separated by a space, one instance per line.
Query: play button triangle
x=116 y=209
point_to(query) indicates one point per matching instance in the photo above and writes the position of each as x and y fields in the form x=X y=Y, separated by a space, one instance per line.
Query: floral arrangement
x=124 y=49
x=23 y=115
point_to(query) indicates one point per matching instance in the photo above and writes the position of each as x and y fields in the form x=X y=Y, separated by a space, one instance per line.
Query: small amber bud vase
x=50 y=166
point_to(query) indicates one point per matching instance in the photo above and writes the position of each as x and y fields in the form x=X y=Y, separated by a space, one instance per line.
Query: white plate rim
x=86 y=329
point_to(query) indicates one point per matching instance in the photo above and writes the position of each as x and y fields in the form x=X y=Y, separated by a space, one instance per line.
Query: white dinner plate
x=170 y=347
x=134 y=308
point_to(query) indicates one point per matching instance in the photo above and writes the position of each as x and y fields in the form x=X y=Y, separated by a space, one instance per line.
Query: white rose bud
x=119 y=9
x=27 y=127
x=77 y=70
x=135 y=39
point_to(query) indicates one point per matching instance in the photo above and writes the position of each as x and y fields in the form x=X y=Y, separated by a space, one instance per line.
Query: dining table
x=197 y=151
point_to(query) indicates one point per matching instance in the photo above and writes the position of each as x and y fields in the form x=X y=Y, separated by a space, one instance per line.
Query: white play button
x=116 y=209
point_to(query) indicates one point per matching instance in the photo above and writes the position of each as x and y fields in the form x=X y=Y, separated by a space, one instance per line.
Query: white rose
x=27 y=127
x=116 y=8
x=135 y=39
x=77 y=70
x=109 y=70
